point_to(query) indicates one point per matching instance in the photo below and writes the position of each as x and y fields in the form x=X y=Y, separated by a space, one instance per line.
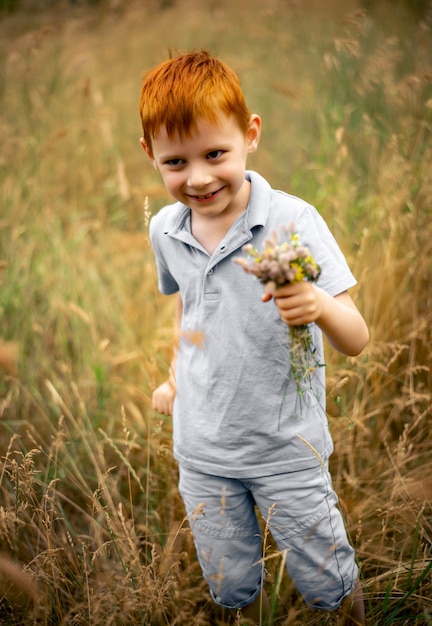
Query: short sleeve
x=166 y=282
x=336 y=275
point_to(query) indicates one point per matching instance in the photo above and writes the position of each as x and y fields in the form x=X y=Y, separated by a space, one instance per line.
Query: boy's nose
x=198 y=176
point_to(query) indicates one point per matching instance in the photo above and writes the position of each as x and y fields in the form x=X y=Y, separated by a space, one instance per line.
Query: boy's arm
x=163 y=396
x=338 y=317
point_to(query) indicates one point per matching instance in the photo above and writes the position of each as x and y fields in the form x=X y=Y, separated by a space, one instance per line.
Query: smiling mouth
x=205 y=196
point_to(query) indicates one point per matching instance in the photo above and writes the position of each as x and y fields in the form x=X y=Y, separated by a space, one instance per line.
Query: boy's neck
x=209 y=232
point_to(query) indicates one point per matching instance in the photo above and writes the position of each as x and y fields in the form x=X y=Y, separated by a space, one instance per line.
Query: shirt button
x=209 y=272
x=222 y=249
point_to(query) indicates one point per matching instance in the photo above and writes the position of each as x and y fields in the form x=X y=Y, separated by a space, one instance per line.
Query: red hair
x=185 y=88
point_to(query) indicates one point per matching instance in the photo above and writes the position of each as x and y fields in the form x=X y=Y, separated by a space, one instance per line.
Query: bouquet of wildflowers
x=277 y=265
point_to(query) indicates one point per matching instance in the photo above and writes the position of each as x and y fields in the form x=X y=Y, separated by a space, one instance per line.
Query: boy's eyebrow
x=167 y=156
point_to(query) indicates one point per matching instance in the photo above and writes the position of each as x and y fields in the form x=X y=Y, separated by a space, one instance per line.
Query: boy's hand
x=337 y=316
x=298 y=303
x=163 y=397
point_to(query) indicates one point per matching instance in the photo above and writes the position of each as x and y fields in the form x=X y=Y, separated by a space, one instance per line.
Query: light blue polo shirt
x=237 y=412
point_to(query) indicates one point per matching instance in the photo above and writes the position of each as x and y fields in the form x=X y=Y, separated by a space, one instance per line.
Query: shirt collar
x=258 y=207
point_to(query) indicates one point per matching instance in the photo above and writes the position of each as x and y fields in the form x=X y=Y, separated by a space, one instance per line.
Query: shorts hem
x=336 y=605
x=237 y=605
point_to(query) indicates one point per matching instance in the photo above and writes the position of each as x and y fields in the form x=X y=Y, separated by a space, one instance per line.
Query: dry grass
x=92 y=528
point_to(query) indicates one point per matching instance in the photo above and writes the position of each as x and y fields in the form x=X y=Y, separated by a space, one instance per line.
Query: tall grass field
x=92 y=528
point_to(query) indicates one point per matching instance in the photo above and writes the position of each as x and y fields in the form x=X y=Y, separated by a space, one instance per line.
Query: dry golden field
x=92 y=529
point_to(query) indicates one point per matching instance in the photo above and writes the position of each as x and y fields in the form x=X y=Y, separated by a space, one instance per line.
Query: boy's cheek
x=170 y=179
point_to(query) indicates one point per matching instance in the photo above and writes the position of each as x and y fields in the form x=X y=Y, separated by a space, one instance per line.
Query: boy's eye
x=174 y=162
x=214 y=154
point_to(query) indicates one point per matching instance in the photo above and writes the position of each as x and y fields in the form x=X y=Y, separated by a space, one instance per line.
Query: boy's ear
x=148 y=151
x=254 y=132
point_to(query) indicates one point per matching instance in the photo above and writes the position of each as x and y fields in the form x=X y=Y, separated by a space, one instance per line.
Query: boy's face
x=206 y=170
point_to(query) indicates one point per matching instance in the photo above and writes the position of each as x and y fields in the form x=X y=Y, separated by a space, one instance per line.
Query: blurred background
x=92 y=530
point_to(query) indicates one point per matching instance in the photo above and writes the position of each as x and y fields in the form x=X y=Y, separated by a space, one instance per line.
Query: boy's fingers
x=269 y=289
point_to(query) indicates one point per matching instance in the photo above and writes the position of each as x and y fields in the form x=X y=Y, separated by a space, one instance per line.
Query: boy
x=241 y=437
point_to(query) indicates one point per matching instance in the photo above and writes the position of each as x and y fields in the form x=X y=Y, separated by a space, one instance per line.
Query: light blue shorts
x=301 y=513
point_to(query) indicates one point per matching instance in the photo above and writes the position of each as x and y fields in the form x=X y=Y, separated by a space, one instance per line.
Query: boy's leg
x=352 y=612
x=227 y=537
x=307 y=525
